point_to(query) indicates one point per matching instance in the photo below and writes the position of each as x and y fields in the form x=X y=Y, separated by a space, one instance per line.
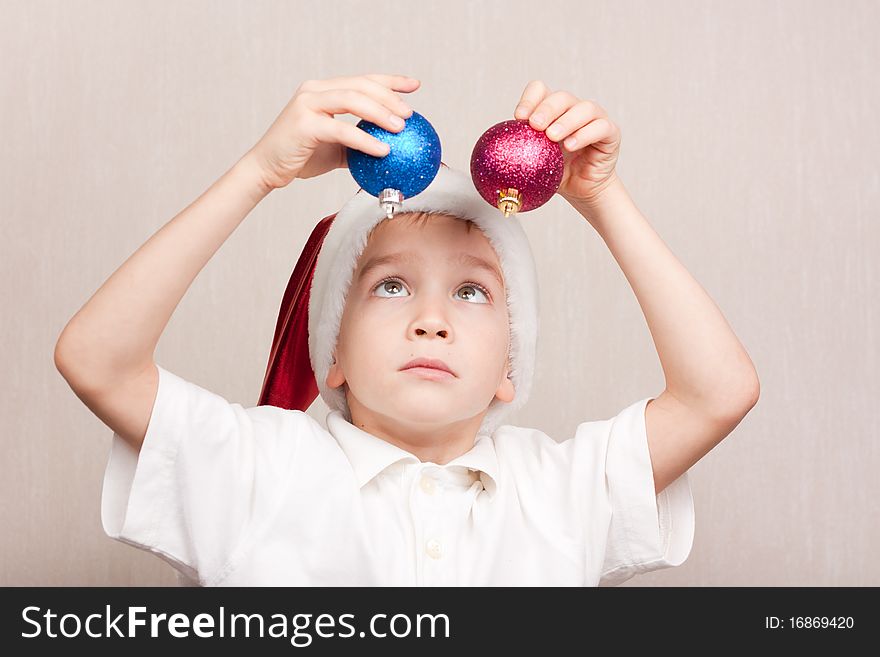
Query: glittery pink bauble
x=514 y=154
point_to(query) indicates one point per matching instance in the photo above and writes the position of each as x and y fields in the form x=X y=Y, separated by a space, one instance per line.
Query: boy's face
x=430 y=308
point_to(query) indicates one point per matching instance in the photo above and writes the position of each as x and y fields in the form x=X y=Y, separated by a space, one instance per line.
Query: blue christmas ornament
x=410 y=166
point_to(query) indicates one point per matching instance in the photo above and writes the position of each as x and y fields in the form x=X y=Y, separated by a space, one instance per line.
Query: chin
x=438 y=415
x=416 y=416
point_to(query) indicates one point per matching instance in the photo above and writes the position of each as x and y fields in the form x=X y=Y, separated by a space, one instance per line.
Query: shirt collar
x=369 y=455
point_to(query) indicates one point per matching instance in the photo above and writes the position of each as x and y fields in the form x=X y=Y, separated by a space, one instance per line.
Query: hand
x=305 y=140
x=590 y=161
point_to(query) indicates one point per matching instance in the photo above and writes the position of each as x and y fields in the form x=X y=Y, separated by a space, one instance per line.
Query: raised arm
x=105 y=352
x=711 y=383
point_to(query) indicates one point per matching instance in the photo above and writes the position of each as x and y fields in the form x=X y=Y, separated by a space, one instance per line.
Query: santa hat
x=311 y=309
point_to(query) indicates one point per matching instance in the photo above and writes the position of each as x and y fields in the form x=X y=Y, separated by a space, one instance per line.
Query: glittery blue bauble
x=411 y=164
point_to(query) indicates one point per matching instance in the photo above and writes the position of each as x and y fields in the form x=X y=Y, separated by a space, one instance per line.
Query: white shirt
x=264 y=496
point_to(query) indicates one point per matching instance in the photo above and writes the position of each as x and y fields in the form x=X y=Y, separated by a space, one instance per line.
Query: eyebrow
x=460 y=259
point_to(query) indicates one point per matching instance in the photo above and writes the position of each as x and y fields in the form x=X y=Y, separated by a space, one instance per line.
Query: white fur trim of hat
x=451 y=192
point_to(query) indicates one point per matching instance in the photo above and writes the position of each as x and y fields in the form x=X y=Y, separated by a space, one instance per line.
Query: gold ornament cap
x=509 y=200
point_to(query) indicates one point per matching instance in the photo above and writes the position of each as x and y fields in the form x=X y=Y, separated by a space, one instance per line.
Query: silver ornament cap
x=390 y=200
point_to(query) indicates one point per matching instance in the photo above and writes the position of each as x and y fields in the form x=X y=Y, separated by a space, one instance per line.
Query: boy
x=414 y=481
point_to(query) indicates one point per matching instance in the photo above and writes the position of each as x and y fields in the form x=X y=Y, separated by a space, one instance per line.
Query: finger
x=380 y=87
x=577 y=116
x=329 y=131
x=338 y=101
x=383 y=88
x=533 y=94
x=597 y=133
x=395 y=82
x=549 y=109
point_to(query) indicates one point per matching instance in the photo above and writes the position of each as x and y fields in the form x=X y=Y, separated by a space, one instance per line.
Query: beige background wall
x=750 y=142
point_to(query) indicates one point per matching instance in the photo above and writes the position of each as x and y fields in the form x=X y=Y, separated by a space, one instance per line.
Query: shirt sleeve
x=643 y=531
x=206 y=470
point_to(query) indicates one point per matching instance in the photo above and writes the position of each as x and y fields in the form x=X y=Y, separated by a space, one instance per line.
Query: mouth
x=429 y=373
x=429 y=367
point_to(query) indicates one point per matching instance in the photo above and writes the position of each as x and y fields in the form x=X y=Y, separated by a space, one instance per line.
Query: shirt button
x=432 y=547
x=427 y=484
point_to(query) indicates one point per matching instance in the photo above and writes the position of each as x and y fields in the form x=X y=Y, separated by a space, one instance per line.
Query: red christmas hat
x=290 y=381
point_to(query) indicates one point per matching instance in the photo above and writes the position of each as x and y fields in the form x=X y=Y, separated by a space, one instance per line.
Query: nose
x=431 y=328
x=430 y=321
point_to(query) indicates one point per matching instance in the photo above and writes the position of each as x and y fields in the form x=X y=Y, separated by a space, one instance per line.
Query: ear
x=335 y=377
x=506 y=392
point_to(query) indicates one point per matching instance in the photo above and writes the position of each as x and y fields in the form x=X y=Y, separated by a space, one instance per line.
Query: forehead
x=428 y=233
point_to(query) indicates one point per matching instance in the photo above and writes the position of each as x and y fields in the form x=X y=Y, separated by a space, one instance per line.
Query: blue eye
x=392 y=285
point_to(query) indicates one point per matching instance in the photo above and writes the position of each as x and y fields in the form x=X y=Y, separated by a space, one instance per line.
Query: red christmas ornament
x=515 y=167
